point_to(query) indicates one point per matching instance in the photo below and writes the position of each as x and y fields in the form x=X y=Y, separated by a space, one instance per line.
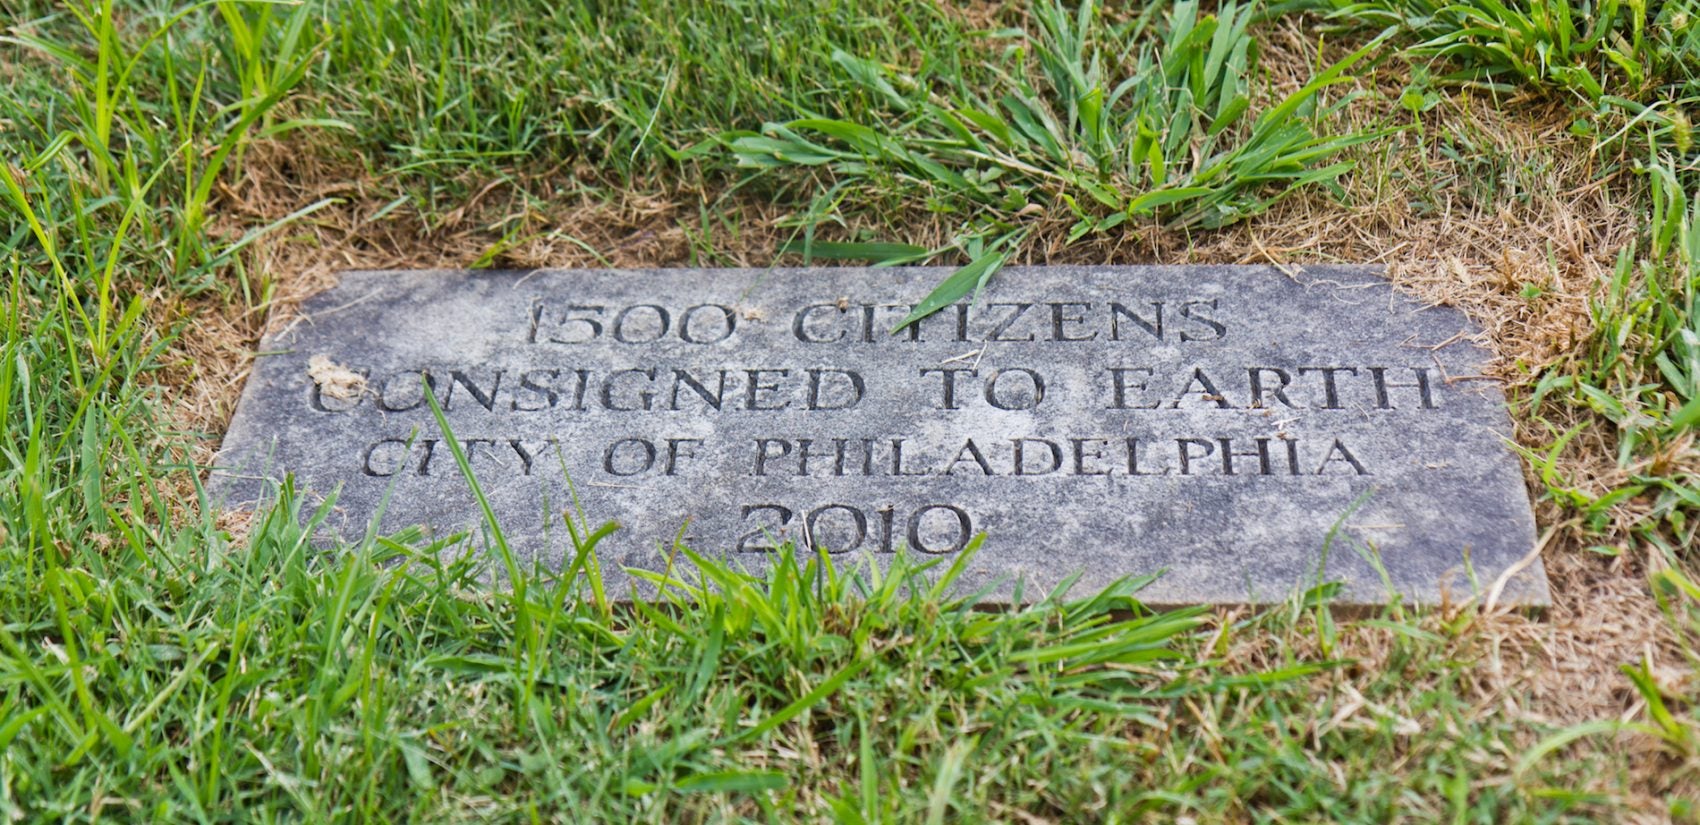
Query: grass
x=383 y=682
x=1631 y=68
x=1176 y=139
x=1642 y=373
x=268 y=677
x=160 y=662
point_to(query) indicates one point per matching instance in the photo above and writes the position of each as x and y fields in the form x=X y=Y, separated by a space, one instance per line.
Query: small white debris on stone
x=335 y=380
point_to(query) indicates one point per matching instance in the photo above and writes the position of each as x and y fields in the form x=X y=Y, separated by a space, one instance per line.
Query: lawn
x=177 y=176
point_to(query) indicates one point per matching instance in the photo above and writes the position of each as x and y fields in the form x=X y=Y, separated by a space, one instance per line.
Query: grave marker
x=1237 y=427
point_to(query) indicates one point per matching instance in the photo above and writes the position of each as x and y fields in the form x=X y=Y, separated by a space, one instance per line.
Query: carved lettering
x=970 y=450
x=804 y=331
x=1331 y=390
x=686 y=380
x=1003 y=324
x=756 y=386
x=1382 y=385
x=628 y=457
x=1206 y=391
x=631 y=401
x=1201 y=314
x=1120 y=385
x=948 y=376
x=850 y=389
x=1152 y=326
x=1061 y=318
x=722 y=322
x=1015 y=399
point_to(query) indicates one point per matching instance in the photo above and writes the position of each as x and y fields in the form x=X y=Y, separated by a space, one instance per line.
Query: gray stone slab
x=1247 y=431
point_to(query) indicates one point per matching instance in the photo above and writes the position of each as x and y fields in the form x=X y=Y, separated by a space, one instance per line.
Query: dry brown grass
x=1474 y=253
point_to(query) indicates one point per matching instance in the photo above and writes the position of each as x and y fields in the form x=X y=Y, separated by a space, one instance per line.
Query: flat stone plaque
x=1248 y=432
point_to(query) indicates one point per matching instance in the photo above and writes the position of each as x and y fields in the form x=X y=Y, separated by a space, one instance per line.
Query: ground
x=177 y=177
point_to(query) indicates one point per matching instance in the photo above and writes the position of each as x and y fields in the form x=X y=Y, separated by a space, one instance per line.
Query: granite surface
x=1247 y=431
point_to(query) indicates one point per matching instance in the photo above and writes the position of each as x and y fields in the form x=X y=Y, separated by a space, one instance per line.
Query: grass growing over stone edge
x=112 y=140
x=215 y=678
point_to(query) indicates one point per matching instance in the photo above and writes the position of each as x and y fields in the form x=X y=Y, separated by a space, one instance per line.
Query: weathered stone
x=1250 y=431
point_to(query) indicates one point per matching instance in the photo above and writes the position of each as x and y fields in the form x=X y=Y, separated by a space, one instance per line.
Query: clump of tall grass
x=139 y=125
x=1631 y=65
x=1163 y=120
x=1641 y=372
